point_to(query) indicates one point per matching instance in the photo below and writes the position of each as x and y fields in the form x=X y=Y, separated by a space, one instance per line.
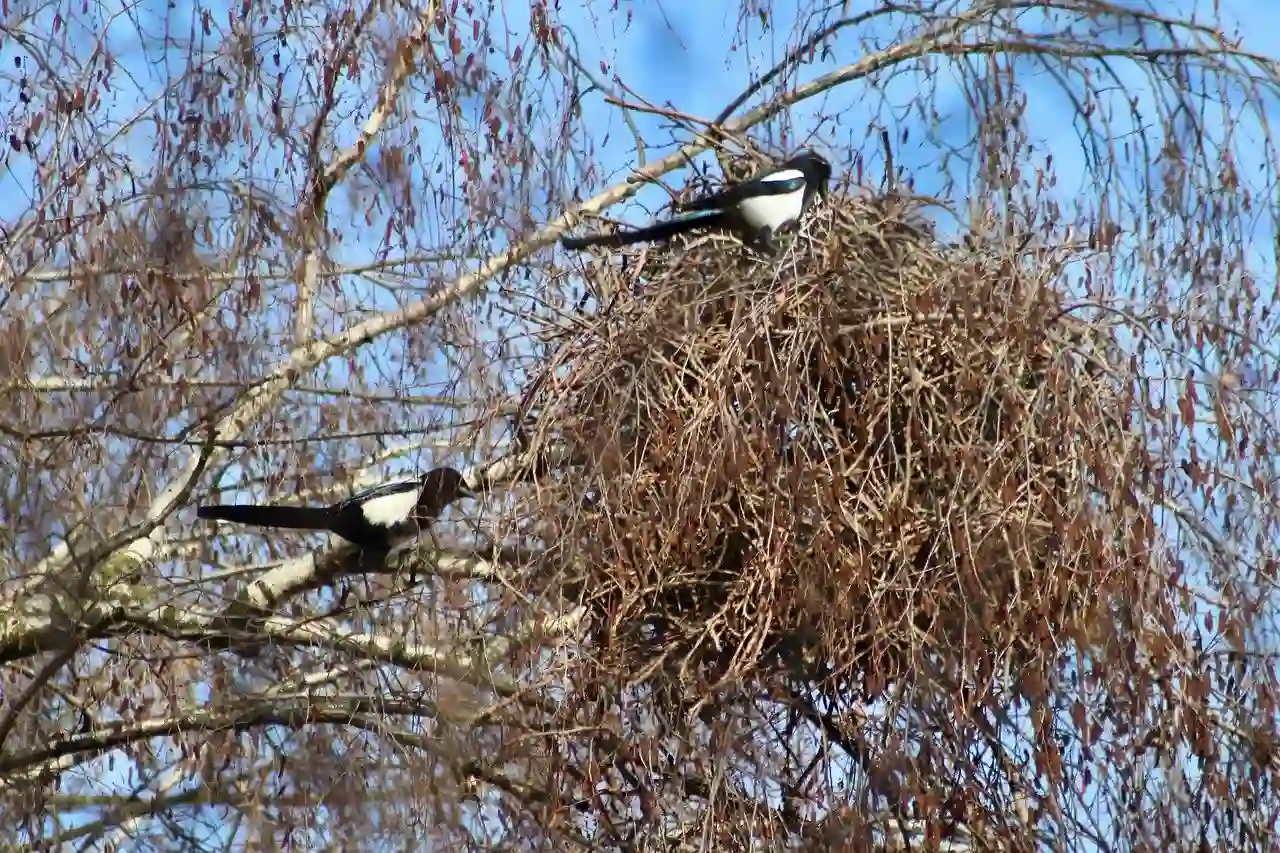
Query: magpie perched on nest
x=757 y=208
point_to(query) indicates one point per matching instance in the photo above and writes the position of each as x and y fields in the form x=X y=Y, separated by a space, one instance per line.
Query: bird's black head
x=448 y=483
x=816 y=168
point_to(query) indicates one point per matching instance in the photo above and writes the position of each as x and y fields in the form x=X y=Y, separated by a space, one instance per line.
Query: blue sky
x=672 y=52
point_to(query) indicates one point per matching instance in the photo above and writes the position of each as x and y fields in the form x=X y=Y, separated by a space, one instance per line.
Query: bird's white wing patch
x=773 y=211
x=390 y=509
x=784 y=175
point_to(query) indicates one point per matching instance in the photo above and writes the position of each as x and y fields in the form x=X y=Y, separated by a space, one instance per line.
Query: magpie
x=758 y=207
x=377 y=518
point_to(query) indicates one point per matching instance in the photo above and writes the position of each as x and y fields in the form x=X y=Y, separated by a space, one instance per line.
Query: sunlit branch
x=22 y=637
x=312 y=216
x=294 y=713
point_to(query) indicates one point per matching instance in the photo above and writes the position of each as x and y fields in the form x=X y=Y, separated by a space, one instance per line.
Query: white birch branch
x=286 y=711
x=40 y=770
x=170 y=779
x=402 y=65
x=313 y=571
x=81 y=272
x=23 y=637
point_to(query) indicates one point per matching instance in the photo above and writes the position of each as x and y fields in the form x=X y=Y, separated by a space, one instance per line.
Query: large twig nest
x=868 y=456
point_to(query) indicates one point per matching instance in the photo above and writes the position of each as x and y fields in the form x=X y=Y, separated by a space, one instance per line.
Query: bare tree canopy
x=951 y=526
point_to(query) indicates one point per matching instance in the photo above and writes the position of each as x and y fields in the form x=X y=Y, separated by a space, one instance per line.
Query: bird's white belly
x=772 y=211
x=389 y=510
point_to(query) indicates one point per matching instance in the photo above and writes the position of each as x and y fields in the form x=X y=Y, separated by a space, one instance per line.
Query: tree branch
x=295 y=713
x=312 y=216
x=126 y=809
x=316 y=571
x=21 y=638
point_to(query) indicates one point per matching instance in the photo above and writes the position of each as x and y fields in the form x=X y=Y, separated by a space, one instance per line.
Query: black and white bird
x=377 y=518
x=757 y=208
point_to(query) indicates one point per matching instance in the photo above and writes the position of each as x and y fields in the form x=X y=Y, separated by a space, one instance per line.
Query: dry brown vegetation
x=899 y=540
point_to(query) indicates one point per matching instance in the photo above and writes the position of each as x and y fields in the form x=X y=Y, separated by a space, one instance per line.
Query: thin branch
x=101 y=383
x=89 y=271
x=312 y=215
x=611 y=96
x=294 y=714
x=795 y=56
x=132 y=808
x=14 y=707
x=233 y=444
x=675 y=115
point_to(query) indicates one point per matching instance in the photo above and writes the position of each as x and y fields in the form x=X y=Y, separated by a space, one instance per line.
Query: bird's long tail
x=659 y=231
x=290 y=517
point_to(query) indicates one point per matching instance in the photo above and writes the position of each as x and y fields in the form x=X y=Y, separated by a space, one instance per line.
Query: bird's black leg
x=766 y=241
x=371 y=558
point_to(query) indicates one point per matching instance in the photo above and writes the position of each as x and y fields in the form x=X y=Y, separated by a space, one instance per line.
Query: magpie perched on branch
x=757 y=208
x=377 y=518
